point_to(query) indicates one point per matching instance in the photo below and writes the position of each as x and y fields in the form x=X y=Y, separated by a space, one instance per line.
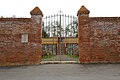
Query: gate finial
x=60 y=11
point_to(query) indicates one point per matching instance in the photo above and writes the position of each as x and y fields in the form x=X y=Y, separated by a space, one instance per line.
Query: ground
x=61 y=58
x=62 y=72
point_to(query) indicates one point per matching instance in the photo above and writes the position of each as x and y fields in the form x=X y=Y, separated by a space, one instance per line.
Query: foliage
x=73 y=56
x=47 y=54
x=56 y=26
x=57 y=29
x=44 y=34
x=72 y=29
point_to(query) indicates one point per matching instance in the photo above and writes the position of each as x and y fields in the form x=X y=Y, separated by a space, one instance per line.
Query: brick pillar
x=36 y=35
x=84 y=35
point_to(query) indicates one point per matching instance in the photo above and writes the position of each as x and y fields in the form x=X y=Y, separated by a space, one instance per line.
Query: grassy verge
x=73 y=56
x=48 y=56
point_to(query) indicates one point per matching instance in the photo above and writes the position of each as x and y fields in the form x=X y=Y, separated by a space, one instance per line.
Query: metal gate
x=59 y=38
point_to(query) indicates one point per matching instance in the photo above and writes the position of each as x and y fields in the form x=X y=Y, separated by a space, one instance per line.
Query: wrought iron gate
x=59 y=34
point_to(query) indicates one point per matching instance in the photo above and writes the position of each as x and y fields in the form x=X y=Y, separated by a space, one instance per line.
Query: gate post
x=84 y=34
x=36 y=34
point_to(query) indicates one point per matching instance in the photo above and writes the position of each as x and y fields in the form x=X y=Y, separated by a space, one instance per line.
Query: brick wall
x=14 y=50
x=105 y=39
x=99 y=38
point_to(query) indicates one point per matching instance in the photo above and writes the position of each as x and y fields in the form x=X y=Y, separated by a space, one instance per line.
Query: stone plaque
x=24 y=38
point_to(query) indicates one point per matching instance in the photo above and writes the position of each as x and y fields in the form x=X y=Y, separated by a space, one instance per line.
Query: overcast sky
x=22 y=8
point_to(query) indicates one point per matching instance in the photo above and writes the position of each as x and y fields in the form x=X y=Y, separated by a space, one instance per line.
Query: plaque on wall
x=24 y=38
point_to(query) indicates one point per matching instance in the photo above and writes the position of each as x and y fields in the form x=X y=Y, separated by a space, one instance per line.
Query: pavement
x=62 y=72
x=60 y=62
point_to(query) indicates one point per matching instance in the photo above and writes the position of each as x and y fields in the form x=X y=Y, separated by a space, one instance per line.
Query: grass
x=48 y=56
x=73 y=56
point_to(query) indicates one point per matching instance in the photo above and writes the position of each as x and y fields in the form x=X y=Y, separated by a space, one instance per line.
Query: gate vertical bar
x=68 y=25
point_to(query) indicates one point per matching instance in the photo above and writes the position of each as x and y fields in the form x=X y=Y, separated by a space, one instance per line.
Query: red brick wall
x=104 y=39
x=84 y=38
x=99 y=39
x=12 y=50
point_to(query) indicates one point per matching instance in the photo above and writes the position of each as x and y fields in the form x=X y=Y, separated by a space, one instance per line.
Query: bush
x=45 y=53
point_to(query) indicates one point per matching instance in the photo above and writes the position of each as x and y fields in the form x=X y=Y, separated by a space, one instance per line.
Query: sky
x=22 y=8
